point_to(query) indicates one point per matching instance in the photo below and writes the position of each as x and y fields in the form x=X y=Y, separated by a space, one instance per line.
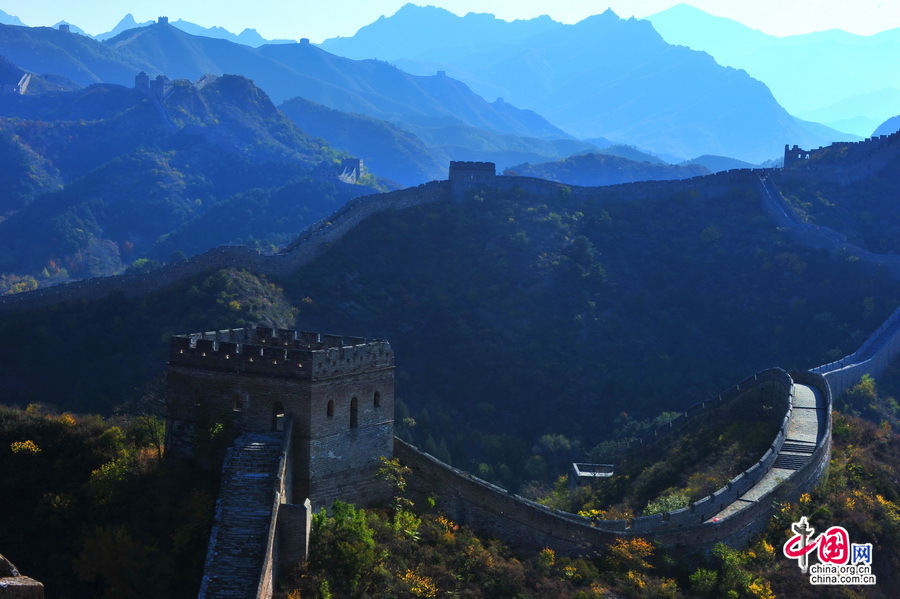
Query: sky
x=319 y=20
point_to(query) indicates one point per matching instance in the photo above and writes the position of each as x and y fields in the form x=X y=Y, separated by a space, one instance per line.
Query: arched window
x=330 y=409
x=354 y=413
x=377 y=400
x=278 y=416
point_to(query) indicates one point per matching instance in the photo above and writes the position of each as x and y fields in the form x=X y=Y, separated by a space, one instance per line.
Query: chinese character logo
x=839 y=560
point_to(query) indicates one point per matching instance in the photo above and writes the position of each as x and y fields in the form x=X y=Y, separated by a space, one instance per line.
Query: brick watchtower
x=339 y=392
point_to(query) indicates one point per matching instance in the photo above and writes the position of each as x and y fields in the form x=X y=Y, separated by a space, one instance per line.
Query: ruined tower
x=339 y=393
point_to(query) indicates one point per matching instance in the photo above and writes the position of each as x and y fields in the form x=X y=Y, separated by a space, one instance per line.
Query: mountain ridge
x=593 y=79
x=369 y=87
x=143 y=168
x=792 y=66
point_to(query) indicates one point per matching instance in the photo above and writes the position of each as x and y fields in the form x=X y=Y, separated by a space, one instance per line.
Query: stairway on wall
x=807 y=428
x=238 y=543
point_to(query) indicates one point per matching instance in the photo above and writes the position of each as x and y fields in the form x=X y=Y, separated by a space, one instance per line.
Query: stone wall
x=283 y=523
x=703 y=409
x=873 y=357
x=529 y=526
x=817 y=236
x=867 y=157
x=852 y=161
x=13 y=585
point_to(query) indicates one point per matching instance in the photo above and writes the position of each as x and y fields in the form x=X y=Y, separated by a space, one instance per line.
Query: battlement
x=281 y=353
x=842 y=152
x=162 y=21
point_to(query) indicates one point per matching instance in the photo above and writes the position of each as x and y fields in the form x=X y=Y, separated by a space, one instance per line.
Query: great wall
x=292 y=459
x=467 y=176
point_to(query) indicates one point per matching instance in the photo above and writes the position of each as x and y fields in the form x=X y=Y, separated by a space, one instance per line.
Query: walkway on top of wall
x=237 y=545
x=808 y=425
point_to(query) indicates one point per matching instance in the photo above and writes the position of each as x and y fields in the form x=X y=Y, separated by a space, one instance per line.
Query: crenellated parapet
x=728 y=515
x=281 y=353
x=842 y=161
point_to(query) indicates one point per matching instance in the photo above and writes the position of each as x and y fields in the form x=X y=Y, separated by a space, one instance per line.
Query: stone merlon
x=281 y=353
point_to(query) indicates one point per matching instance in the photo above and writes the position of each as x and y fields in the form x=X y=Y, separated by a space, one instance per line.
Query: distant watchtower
x=162 y=21
x=339 y=392
x=465 y=176
x=472 y=171
x=142 y=82
x=794 y=155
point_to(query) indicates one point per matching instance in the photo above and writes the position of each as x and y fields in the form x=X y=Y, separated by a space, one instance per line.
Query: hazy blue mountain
x=889 y=126
x=8 y=19
x=247 y=37
x=602 y=77
x=100 y=177
x=422 y=31
x=464 y=142
x=716 y=164
x=388 y=150
x=629 y=152
x=438 y=106
x=45 y=50
x=125 y=24
x=871 y=109
x=605 y=169
x=378 y=89
x=367 y=87
x=420 y=151
x=831 y=76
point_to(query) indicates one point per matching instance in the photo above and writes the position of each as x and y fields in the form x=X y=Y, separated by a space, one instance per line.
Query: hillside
x=565 y=297
x=92 y=511
x=866 y=212
x=109 y=171
x=496 y=302
x=892 y=125
x=44 y=50
x=604 y=169
x=599 y=77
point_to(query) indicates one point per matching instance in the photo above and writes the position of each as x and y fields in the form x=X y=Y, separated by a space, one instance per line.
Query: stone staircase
x=238 y=541
x=794 y=454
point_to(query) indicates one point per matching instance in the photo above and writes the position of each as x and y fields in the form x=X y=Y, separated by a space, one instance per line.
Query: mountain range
x=603 y=76
x=592 y=170
x=449 y=114
x=247 y=37
x=8 y=19
x=598 y=78
x=100 y=177
x=862 y=86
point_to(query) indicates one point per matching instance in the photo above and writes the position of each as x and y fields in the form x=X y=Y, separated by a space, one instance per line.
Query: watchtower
x=472 y=171
x=339 y=393
x=142 y=82
x=465 y=176
x=794 y=155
